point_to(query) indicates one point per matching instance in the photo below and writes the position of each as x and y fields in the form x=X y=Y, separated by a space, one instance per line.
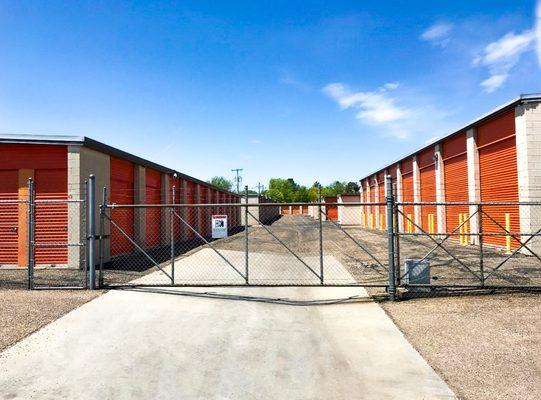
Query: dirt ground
x=485 y=347
x=25 y=311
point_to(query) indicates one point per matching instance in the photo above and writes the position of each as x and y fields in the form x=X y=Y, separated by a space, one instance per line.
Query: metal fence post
x=30 y=233
x=390 y=238
x=172 y=223
x=396 y=247
x=91 y=231
x=481 y=255
x=246 y=271
x=102 y=228
x=320 y=235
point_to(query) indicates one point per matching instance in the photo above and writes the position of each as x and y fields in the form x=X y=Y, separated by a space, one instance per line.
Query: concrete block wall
x=165 y=215
x=474 y=183
x=528 y=139
x=399 y=196
x=440 y=189
x=349 y=215
x=263 y=214
x=416 y=194
x=139 y=218
x=81 y=163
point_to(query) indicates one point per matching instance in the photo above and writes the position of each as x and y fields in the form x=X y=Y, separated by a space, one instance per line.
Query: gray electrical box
x=417 y=273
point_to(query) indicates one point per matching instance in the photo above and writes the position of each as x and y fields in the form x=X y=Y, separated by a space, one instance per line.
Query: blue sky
x=313 y=90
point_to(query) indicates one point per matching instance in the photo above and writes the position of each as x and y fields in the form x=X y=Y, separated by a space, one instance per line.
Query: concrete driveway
x=231 y=343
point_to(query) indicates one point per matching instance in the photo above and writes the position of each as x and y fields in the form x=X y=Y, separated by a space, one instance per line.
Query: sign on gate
x=219 y=226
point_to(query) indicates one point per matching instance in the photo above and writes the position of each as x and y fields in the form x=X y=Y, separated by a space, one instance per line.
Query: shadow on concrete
x=252 y=298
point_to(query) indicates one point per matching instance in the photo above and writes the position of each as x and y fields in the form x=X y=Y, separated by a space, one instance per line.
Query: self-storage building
x=494 y=159
x=59 y=167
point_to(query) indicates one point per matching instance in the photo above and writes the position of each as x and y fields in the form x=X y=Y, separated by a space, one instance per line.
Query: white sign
x=219 y=226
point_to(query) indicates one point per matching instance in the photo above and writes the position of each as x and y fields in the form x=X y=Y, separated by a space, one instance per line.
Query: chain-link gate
x=13 y=245
x=173 y=244
x=57 y=238
x=470 y=246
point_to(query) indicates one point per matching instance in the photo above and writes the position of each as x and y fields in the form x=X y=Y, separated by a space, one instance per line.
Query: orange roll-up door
x=51 y=218
x=190 y=211
x=498 y=174
x=366 y=187
x=332 y=211
x=9 y=217
x=381 y=199
x=407 y=190
x=204 y=223
x=455 y=167
x=153 y=214
x=373 y=189
x=425 y=160
x=121 y=192
x=50 y=171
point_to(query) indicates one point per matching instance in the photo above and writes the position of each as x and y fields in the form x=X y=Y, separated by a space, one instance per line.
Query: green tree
x=352 y=188
x=221 y=182
x=282 y=190
x=335 y=189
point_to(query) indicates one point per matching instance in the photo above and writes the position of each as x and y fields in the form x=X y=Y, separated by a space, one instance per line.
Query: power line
x=238 y=178
x=260 y=187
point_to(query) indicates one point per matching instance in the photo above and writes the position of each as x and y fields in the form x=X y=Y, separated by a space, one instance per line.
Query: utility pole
x=238 y=178
x=260 y=187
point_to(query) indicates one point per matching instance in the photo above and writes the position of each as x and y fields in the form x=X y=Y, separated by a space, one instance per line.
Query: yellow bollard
x=508 y=237
x=461 y=229
x=364 y=220
x=409 y=225
x=430 y=224
x=466 y=228
x=371 y=221
x=381 y=222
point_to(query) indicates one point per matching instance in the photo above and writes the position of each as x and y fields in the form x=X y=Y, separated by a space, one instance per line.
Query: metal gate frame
x=86 y=224
x=175 y=213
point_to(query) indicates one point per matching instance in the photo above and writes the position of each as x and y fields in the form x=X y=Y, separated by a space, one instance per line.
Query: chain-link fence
x=13 y=241
x=186 y=245
x=43 y=237
x=468 y=246
x=404 y=248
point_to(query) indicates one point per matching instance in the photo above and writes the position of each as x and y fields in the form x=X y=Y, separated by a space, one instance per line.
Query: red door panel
x=122 y=192
x=153 y=214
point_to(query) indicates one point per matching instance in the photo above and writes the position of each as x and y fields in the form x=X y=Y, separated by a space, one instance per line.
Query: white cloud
x=502 y=55
x=494 y=82
x=438 y=33
x=374 y=107
x=384 y=110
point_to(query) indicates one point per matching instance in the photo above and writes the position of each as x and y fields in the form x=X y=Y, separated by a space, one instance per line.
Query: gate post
x=102 y=228
x=30 y=233
x=172 y=223
x=246 y=233
x=91 y=231
x=320 y=235
x=390 y=238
